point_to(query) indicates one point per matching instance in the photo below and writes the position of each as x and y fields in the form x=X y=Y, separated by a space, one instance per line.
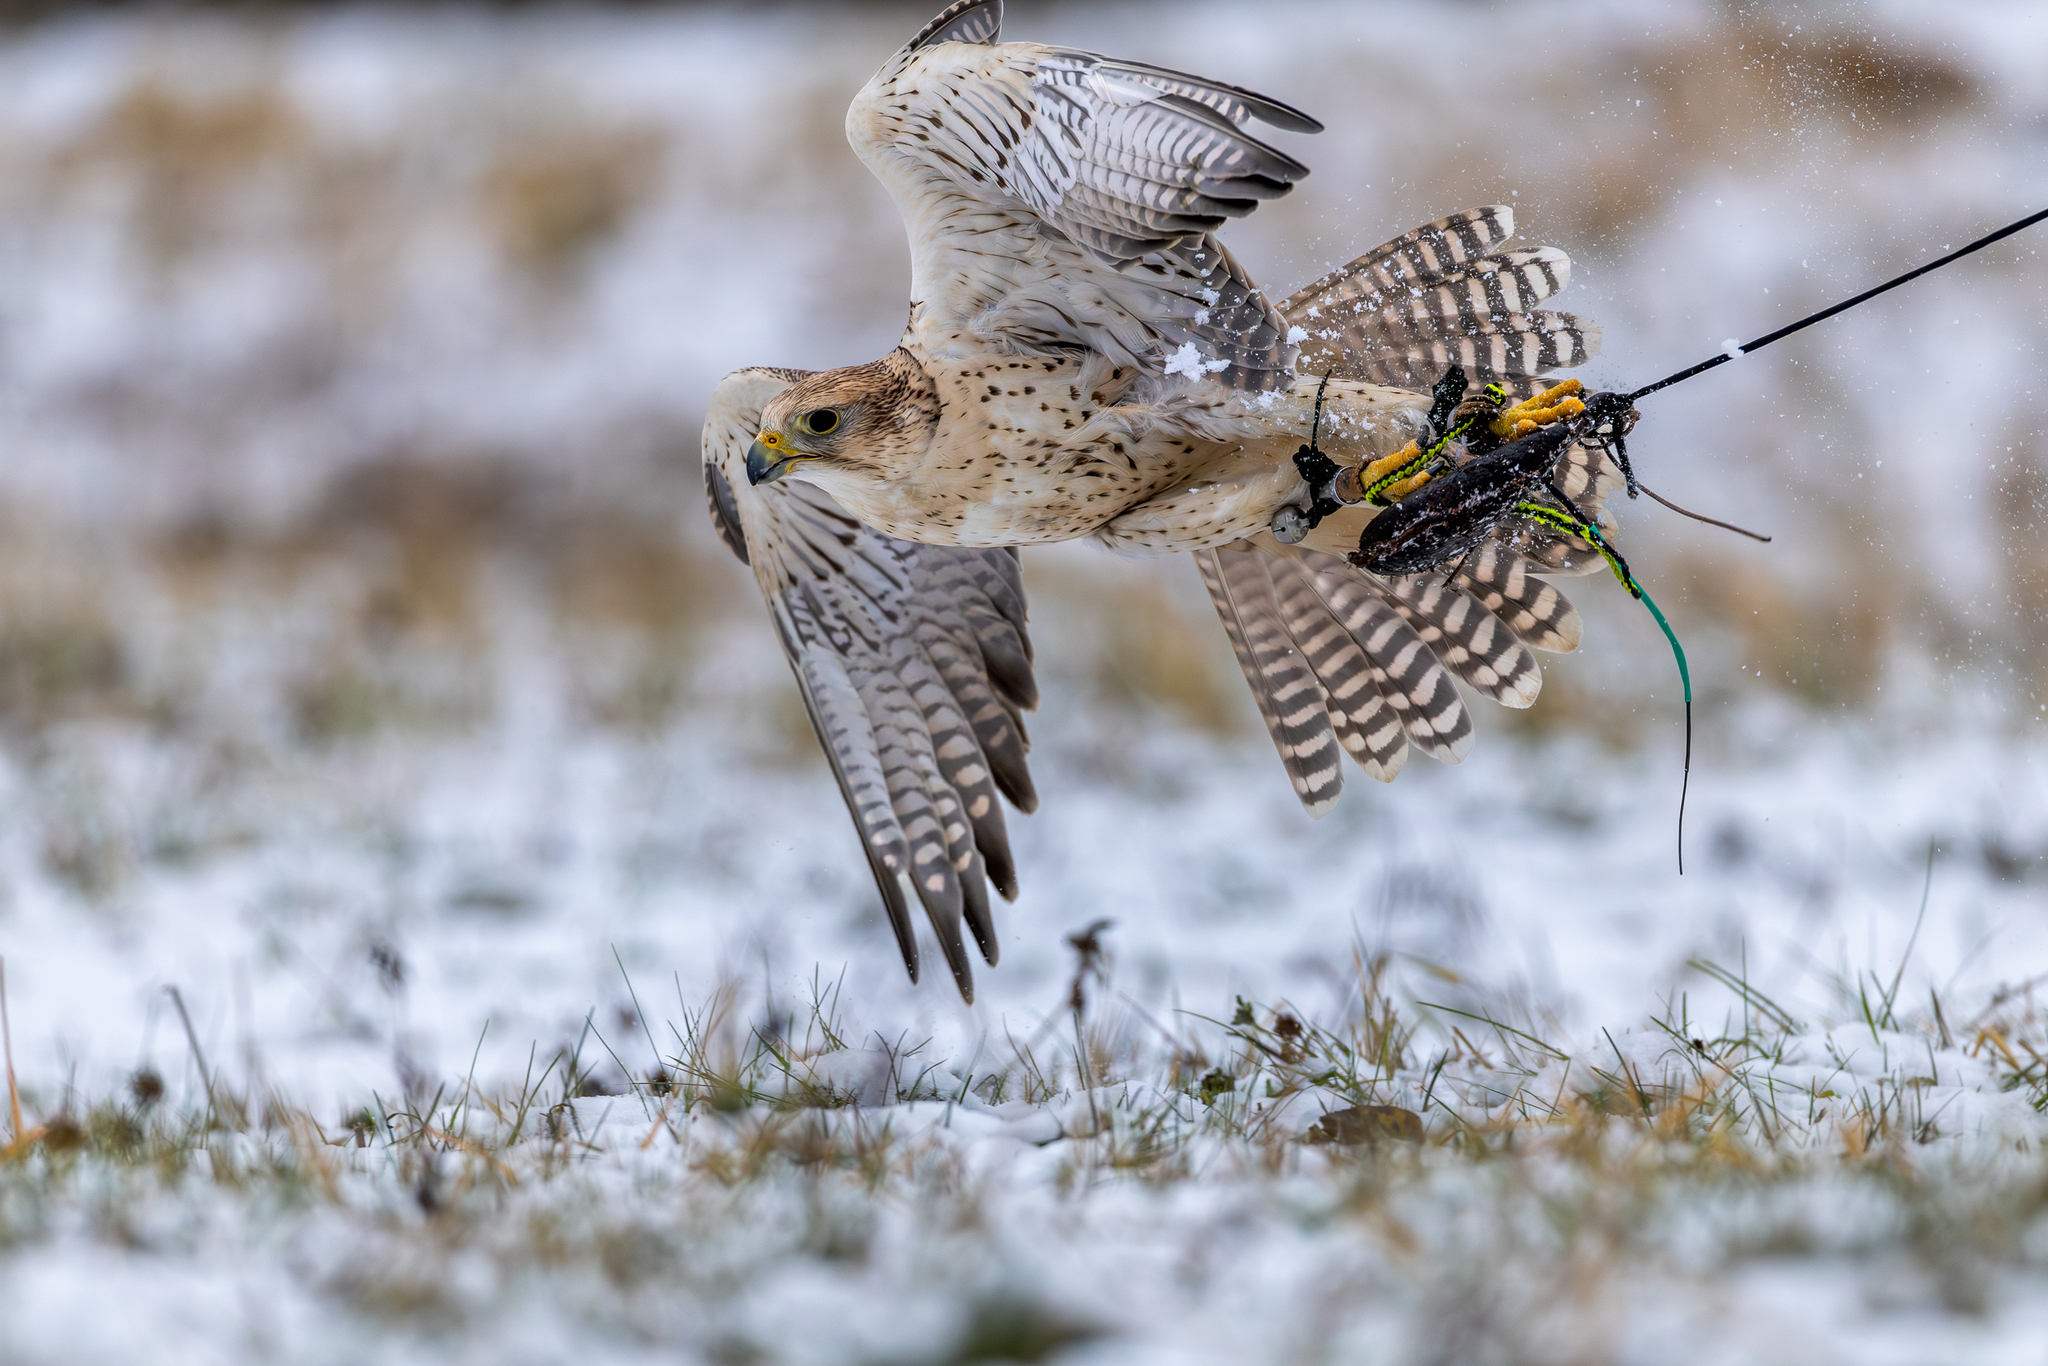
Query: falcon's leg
x=1292 y=524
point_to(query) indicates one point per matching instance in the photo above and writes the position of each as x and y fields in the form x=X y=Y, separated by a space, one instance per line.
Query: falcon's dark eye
x=819 y=421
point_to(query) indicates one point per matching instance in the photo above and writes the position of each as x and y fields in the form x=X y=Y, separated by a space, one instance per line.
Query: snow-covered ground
x=373 y=695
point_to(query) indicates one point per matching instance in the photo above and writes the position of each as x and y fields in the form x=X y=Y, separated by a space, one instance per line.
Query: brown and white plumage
x=915 y=668
x=1083 y=358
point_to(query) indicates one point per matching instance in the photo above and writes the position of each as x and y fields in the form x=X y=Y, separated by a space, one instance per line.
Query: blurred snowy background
x=368 y=670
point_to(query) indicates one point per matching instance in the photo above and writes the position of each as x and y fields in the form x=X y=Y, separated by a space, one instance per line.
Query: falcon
x=1084 y=358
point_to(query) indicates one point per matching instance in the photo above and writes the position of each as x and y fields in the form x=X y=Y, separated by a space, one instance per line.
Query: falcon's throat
x=883 y=416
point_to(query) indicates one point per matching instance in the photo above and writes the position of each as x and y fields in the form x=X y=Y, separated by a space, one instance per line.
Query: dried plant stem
x=1081 y=1065
x=192 y=1038
x=7 y=1043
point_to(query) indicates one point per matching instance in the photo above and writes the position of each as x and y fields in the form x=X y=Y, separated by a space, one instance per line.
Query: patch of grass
x=1464 y=1139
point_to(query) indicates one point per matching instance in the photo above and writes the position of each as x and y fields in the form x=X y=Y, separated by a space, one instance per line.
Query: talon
x=1552 y=405
x=1394 y=493
x=1387 y=464
x=1378 y=483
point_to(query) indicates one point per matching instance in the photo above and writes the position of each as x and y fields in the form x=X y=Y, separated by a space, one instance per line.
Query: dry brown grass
x=1516 y=1198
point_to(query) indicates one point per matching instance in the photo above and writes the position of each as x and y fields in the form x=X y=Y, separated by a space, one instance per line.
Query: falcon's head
x=862 y=420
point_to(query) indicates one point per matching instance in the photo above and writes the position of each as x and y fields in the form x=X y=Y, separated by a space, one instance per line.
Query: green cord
x=1589 y=533
x=1685 y=677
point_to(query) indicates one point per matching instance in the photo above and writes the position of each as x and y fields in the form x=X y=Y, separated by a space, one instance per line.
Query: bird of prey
x=1084 y=358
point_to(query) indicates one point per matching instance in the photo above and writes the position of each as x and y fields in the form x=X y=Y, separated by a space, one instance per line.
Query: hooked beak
x=765 y=464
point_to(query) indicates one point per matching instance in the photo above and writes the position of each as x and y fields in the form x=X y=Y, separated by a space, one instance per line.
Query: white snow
x=1190 y=362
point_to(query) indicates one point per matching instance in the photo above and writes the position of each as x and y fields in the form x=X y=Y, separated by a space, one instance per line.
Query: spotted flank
x=1403 y=313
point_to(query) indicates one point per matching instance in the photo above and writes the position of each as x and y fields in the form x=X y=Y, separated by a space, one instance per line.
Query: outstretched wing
x=1058 y=198
x=1403 y=312
x=915 y=668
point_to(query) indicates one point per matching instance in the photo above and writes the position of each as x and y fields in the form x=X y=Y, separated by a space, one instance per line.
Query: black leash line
x=1761 y=342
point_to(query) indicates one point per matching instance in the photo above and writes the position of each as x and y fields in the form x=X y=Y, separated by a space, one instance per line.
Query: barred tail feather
x=1507 y=585
x=1335 y=654
x=1410 y=356
x=1289 y=697
x=1415 y=685
x=1429 y=252
x=1365 y=725
x=1403 y=312
x=1468 y=639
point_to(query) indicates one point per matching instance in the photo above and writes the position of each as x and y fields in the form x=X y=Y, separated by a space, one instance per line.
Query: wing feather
x=841 y=721
x=964 y=21
x=1056 y=198
x=915 y=666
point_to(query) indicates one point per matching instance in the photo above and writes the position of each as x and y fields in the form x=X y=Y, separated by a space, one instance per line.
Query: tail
x=1343 y=662
x=1403 y=312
